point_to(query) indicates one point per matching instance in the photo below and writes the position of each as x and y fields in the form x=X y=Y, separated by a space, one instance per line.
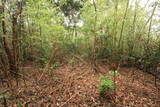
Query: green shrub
x=106 y=85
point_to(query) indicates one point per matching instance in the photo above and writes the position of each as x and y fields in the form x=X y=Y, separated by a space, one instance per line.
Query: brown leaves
x=63 y=87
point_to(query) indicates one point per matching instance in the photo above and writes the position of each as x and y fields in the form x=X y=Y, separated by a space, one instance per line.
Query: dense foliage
x=81 y=41
x=112 y=29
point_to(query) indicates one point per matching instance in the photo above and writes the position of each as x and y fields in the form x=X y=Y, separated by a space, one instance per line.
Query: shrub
x=106 y=85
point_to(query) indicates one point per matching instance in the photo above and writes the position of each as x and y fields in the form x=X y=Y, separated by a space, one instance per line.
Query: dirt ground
x=74 y=85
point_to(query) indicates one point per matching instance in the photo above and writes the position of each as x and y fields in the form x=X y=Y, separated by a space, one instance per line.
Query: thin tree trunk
x=94 y=41
x=20 y=26
x=133 y=29
x=123 y=23
x=14 y=41
x=115 y=26
x=4 y=39
x=150 y=25
x=15 y=30
x=1 y=63
x=150 y=18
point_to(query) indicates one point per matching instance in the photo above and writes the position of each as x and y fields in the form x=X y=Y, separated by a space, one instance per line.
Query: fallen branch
x=80 y=59
x=49 y=62
x=69 y=99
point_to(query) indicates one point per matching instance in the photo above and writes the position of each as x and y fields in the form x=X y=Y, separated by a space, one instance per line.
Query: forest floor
x=74 y=85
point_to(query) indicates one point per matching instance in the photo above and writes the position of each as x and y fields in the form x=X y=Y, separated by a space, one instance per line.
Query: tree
x=11 y=51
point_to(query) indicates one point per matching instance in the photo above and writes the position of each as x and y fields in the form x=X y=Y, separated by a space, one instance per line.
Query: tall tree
x=5 y=43
x=11 y=51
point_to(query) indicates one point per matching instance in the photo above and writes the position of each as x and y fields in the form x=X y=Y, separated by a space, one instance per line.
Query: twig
x=69 y=99
x=49 y=62
x=80 y=59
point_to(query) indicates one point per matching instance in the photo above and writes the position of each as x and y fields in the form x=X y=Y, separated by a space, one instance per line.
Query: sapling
x=107 y=85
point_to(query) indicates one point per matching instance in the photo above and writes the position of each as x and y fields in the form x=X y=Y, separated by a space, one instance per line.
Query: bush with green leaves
x=106 y=85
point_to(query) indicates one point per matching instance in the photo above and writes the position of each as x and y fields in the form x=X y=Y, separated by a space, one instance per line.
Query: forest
x=79 y=53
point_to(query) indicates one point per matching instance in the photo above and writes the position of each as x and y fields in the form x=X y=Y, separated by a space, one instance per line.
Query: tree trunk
x=4 y=39
x=11 y=55
x=1 y=63
x=14 y=41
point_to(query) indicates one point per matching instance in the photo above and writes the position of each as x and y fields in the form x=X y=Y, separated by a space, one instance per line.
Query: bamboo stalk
x=123 y=23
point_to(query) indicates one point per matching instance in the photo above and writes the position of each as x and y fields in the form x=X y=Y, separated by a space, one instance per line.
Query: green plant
x=71 y=61
x=56 y=65
x=113 y=73
x=106 y=85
